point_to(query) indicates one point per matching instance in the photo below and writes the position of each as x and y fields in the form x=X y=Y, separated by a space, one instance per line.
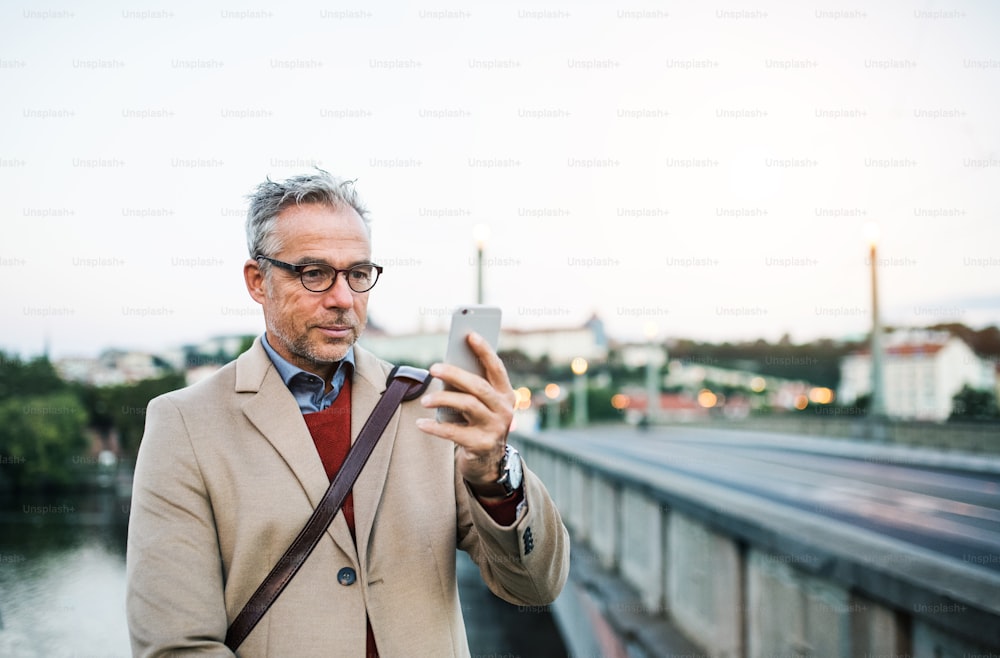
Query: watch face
x=514 y=467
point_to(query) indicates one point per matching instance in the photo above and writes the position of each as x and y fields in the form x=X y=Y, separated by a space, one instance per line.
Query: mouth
x=336 y=330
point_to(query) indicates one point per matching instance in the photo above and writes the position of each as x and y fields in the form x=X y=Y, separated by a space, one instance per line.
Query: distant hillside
x=985 y=342
x=817 y=362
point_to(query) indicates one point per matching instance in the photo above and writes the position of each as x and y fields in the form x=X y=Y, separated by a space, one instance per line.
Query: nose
x=340 y=294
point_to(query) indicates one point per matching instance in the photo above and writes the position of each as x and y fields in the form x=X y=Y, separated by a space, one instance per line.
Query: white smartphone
x=485 y=321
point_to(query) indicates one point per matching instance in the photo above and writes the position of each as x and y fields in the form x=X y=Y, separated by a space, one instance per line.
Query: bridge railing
x=741 y=576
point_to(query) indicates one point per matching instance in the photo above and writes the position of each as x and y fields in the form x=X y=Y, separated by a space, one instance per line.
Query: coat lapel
x=366 y=390
x=273 y=411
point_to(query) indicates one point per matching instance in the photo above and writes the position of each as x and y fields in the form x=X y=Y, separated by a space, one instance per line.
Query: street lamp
x=579 y=368
x=652 y=372
x=876 y=407
x=481 y=233
x=553 y=393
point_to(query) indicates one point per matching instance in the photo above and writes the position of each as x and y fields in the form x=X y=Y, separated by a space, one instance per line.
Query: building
x=922 y=372
x=673 y=407
x=114 y=367
x=559 y=345
x=772 y=392
x=111 y=368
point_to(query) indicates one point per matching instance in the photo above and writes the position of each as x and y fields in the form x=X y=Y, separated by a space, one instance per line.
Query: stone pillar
x=930 y=642
x=641 y=560
x=790 y=613
x=877 y=630
x=705 y=589
x=603 y=499
x=574 y=508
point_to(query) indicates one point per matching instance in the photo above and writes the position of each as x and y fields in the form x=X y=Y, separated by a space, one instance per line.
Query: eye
x=314 y=275
x=361 y=274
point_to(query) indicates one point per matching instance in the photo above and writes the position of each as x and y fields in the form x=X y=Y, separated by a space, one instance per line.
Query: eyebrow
x=321 y=261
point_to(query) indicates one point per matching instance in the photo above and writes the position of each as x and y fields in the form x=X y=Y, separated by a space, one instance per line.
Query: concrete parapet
x=603 y=503
x=575 y=508
x=878 y=631
x=931 y=642
x=705 y=586
x=601 y=616
x=737 y=575
x=790 y=613
x=642 y=545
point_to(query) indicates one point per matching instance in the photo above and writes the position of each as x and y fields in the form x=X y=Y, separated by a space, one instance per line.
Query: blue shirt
x=308 y=388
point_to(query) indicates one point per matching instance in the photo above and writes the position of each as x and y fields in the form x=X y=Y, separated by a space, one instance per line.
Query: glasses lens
x=362 y=277
x=317 y=278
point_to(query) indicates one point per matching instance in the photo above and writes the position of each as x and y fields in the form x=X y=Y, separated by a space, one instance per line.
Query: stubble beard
x=322 y=352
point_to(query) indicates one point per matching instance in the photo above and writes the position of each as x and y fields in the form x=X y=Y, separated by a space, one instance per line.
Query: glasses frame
x=300 y=269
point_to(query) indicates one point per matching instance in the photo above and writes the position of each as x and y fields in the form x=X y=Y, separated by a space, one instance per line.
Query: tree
x=34 y=377
x=863 y=402
x=973 y=404
x=40 y=436
x=129 y=406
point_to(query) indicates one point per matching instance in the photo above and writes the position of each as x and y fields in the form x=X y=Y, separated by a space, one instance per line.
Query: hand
x=488 y=406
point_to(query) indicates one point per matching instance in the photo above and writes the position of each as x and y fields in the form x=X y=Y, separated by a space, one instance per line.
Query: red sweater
x=331 y=432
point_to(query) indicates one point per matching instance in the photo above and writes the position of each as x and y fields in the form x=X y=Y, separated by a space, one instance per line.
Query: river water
x=62 y=576
x=62 y=586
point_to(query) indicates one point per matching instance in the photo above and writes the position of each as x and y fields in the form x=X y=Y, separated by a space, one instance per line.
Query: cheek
x=361 y=307
x=290 y=308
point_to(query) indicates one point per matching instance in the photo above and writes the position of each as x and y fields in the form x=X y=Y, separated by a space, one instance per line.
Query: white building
x=922 y=372
x=111 y=368
x=418 y=349
x=561 y=345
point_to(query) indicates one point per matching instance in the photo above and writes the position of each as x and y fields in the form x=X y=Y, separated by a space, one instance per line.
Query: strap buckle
x=421 y=380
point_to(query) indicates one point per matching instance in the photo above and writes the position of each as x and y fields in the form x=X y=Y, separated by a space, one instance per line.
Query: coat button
x=346 y=576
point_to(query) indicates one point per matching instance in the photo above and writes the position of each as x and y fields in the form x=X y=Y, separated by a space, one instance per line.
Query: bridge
x=710 y=542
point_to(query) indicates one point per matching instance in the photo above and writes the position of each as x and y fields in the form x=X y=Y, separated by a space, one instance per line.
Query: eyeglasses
x=318 y=277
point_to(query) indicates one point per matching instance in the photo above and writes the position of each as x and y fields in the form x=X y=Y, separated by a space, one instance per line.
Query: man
x=230 y=469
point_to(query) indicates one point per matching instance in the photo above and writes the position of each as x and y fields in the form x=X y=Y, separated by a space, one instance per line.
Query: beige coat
x=227 y=475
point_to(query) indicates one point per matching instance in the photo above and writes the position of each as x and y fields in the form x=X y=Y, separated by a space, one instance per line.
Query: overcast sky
x=706 y=169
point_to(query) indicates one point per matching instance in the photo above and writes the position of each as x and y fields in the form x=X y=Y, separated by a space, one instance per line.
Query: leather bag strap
x=404 y=383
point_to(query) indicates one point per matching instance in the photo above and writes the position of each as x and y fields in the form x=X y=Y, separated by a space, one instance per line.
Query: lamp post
x=579 y=368
x=553 y=393
x=652 y=373
x=876 y=407
x=481 y=234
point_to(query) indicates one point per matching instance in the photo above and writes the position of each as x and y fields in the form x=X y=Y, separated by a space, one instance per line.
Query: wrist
x=491 y=490
x=508 y=481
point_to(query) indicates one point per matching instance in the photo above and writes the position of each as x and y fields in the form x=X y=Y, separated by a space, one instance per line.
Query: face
x=313 y=330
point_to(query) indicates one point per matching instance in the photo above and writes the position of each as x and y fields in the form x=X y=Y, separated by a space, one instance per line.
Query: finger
x=495 y=371
x=496 y=400
x=455 y=378
x=483 y=424
x=435 y=428
x=496 y=374
x=460 y=379
x=470 y=406
x=494 y=390
x=473 y=440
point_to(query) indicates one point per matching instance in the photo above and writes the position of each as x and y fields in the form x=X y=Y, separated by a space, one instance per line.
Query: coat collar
x=272 y=409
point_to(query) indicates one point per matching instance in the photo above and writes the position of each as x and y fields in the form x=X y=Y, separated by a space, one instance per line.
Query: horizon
x=710 y=172
x=621 y=340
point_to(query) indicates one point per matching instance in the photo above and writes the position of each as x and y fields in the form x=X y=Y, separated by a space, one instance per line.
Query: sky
x=683 y=169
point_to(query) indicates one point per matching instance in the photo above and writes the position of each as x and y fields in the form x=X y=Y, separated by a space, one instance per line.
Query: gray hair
x=271 y=197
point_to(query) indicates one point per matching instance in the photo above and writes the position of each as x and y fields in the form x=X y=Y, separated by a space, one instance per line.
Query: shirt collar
x=288 y=370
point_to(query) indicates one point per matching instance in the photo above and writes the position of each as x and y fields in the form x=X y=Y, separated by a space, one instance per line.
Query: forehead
x=322 y=231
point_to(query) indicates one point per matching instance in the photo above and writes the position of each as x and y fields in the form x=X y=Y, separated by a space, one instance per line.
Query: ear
x=254 y=278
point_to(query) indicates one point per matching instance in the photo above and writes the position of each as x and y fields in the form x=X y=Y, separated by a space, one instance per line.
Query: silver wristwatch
x=511 y=475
